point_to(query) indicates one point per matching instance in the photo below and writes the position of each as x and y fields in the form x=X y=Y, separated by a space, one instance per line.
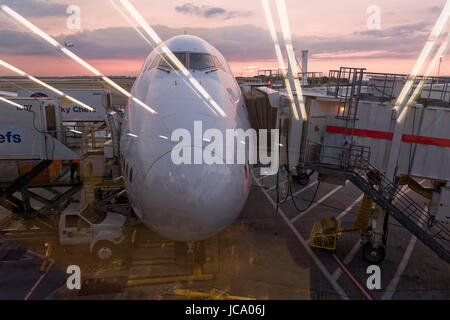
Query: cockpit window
x=155 y=63
x=217 y=63
x=201 y=61
x=167 y=64
x=193 y=61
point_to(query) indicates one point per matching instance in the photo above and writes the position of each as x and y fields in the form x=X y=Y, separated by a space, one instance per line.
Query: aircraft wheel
x=302 y=179
x=373 y=255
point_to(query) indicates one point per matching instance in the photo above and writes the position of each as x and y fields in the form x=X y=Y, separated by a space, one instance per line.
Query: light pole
x=439 y=69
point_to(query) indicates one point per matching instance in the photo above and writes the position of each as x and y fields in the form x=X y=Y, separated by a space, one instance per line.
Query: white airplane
x=186 y=202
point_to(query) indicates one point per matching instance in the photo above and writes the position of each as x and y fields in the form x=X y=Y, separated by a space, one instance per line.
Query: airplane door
x=316 y=129
x=76 y=230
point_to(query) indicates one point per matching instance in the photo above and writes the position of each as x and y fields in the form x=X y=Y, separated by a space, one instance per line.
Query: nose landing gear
x=373 y=254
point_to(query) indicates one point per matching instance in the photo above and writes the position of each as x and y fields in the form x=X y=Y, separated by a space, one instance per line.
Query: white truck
x=103 y=231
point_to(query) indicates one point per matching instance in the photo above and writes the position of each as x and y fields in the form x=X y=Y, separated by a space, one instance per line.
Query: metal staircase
x=352 y=163
x=435 y=235
x=348 y=90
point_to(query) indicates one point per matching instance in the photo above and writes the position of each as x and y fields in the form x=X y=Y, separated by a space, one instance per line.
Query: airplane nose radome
x=191 y=202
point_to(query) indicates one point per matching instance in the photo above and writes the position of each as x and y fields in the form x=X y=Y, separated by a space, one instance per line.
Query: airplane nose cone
x=191 y=202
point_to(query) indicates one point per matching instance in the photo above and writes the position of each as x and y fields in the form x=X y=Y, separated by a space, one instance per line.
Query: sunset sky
x=335 y=33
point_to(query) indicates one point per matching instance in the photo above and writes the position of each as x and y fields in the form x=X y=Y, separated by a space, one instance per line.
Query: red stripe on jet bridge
x=361 y=132
x=426 y=140
x=388 y=136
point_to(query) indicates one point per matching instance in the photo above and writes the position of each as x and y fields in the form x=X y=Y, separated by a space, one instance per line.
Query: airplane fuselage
x=183 y=202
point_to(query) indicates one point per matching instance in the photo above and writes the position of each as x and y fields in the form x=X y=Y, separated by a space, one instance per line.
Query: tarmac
x=265 y=254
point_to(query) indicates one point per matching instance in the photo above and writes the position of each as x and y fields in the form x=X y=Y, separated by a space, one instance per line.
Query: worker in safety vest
x=74 y=168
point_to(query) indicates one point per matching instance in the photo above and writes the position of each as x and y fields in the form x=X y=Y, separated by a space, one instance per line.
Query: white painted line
x=325 y=197
x=350 y=207
x=273 y=187
x=38 y=281
x=261 y=178
x=316 y=260
x=392 y=286
x=40 y=278
x=359 y=286
x=305 y=188
x=35 y=254
x=26 y=257
x=348 y=258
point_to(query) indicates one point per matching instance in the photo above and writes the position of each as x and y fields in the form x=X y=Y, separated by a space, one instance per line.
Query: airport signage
x=20 y=142
x=72 y=112
x=24 y=134
x=10 y=137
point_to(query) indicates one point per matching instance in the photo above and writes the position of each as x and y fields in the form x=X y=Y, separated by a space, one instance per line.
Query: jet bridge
x=71 y=111
x=34 y=132
x=31 y=151
x=351 y=134
x=36 y=144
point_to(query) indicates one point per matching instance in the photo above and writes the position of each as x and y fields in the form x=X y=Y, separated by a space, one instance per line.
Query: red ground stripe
x=388 y=136
x=355 y=281
x=246 y=178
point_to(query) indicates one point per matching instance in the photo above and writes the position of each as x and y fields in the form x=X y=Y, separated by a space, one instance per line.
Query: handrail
x=355 y=165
